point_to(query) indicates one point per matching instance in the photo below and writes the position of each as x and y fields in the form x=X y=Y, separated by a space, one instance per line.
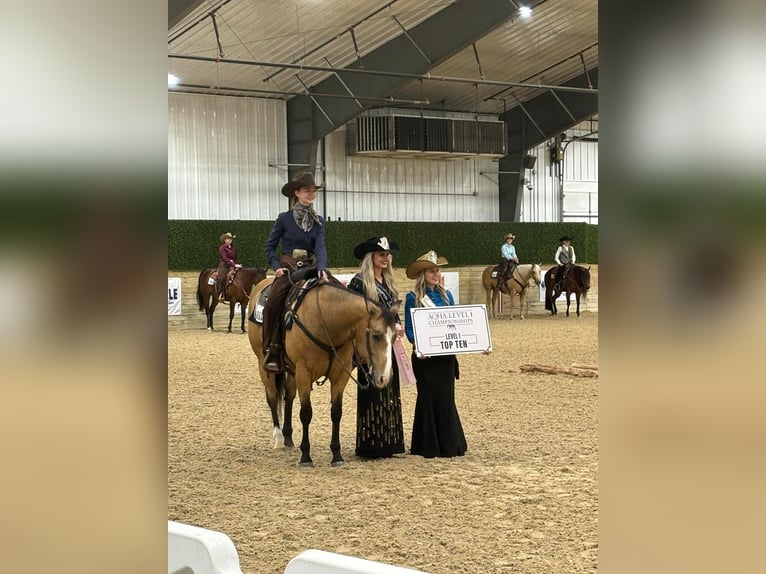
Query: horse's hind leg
x=336 y=412
x=289 y=397
x=522 y=297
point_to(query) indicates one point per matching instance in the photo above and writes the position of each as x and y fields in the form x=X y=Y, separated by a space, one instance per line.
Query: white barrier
x=194 y=550
x=321 y=562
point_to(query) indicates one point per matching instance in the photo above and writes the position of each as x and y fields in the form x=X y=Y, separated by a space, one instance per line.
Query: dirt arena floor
x=524 y=499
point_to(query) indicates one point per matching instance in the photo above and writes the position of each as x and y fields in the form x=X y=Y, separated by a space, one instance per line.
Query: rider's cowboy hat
x=565 y=238
x=511 y=235
x=301 y=180
x=374 y=244
x=225 y=235
x=425 y=261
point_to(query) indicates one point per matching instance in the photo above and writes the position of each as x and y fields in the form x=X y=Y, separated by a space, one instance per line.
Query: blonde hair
x=420 y=288
x=368 y=277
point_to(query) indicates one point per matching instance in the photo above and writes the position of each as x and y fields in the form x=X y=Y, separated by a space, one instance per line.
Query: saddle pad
x=257 y=315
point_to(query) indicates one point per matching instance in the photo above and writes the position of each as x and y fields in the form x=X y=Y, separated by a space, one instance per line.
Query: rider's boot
x=273 y=359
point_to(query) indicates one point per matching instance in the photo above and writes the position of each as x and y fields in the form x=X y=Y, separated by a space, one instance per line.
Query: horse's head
x=374 y=343
x=537 y=274
x=584 y=278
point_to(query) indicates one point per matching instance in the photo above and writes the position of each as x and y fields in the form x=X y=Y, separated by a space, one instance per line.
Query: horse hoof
x=337 y=462
x=308 y=464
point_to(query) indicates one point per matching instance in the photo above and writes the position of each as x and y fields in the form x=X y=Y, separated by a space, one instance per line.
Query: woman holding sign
x=436 y=430
x=379 y=430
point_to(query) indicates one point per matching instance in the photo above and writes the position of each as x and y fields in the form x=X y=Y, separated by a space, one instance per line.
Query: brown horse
x=577 y=281
x=332 y=329
x=239 y=292
x=516 y=285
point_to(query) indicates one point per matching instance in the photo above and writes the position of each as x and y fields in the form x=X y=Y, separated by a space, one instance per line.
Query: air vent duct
x=394 y=135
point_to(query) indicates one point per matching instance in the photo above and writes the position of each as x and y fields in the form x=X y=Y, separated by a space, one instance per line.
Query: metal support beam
x=552 y=117
x=414 y=43
x=390 y=66
x=180 y=9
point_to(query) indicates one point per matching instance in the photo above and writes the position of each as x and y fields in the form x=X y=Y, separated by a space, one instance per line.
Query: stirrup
x=271 y=361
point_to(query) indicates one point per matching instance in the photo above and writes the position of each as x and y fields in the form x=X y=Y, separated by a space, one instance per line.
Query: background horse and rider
x=332 y=330
x=516 y=285
x=238 y=292
x=576 y=280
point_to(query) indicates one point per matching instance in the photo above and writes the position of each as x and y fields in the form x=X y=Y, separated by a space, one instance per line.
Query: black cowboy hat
x=301 y=180
x=374 y=244
x=565 y=238
x=425 y=261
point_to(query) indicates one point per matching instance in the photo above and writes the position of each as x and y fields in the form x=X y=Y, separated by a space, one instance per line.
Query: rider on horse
x=301 y=232
x=228 y=263
x=565 y=257
x=507 y=264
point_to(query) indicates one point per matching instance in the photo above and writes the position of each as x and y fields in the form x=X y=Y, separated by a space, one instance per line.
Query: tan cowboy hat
x=425 y=261
x=511 y=235
x=225 y=235
x=374 y=244
x=301 y=180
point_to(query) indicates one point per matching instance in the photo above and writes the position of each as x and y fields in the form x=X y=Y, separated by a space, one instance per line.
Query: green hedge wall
x=193 y=245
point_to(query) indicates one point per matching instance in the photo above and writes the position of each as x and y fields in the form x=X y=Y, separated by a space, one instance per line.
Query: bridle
x=332 y=350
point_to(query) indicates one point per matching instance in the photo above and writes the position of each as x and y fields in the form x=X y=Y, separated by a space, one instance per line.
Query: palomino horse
x=577 y=281
x=517 y=285
x=239 y=292
x=332 y=329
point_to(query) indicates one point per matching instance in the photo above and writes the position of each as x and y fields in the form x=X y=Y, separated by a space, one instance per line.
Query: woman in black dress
x=436 y=429
x=379 y=430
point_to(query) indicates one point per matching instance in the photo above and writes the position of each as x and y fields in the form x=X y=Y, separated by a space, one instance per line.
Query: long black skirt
x=379 y=429
x=436 y=430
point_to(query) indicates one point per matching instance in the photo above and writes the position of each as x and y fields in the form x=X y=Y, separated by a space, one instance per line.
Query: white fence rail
x=194 y=550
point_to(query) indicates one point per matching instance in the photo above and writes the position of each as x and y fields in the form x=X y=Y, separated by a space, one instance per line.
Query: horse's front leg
x=336 y=412
x=568 y=303
x=522 y=297
x=577 y=298
x=306 y=414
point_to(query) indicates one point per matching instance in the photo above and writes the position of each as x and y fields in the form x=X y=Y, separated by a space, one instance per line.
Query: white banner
x=174 y=295
x=451 y=329
x=451 y=282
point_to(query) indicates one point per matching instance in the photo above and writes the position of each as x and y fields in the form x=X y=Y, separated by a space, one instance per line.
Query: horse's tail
x=199 y=292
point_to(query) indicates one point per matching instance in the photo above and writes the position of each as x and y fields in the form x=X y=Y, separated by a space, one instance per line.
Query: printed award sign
x=451 y=330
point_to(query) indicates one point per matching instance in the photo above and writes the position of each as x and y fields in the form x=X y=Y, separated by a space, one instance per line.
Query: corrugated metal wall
x=222 y=153
x=381 y=189
x=219 y=151
x=576 y=193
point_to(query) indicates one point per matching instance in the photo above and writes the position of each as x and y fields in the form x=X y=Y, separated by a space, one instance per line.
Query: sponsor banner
x=174 y=295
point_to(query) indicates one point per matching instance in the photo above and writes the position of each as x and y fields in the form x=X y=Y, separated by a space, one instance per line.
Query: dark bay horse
x=330 y=327
x=517 y=285
x=239 y=292
x=577 y=281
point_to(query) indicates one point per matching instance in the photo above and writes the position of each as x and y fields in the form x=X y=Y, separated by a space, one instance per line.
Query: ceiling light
x=172 y=80
x=525 y=11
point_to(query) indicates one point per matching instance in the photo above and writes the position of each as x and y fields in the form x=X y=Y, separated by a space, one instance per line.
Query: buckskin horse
x=516 y=285
x=577 y=281
x=239 y=292
x=333 y=328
